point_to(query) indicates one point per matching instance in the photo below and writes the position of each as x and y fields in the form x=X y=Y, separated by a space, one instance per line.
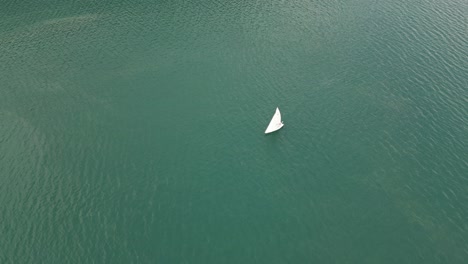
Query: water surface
x=132 y=132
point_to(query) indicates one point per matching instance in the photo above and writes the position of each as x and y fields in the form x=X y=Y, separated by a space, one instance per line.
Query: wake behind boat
x=275 y=122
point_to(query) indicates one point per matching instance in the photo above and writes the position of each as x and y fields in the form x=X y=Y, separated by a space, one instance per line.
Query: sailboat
x=275 y=122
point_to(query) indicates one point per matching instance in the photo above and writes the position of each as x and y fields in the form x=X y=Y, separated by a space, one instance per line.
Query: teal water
x=132 y=132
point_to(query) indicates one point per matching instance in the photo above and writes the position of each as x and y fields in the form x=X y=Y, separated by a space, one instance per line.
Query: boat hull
x=278 y=128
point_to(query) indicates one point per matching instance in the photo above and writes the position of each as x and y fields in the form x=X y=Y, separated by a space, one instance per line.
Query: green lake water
x=133 y=131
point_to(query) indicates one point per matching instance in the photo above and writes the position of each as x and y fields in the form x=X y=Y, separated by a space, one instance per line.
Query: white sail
x=275 y=122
